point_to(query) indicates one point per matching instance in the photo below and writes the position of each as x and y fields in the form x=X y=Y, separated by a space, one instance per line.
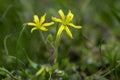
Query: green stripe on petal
x=48 y=24
x=72 y=25
x=68 y=32
x=61 y=14
x=60 y=31
x=31 y=24
x=36 y=19
x=43 y=28
x=56 y=19
x=69 y=17
x=33 y=29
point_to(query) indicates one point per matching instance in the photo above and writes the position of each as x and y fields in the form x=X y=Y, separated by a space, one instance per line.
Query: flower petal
x=43 y=28
x=68 y=32
x=40 y=71
x=42 y=19
x=60 y=31
x=48 y=24
x=72 y=25
x=69 y=17
x=56 y=19
x=36 y=19
x=31 y=24
x=61 y=14
x=34 y=28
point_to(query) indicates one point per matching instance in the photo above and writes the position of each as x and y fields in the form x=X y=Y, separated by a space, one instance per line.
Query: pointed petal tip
x=61 y=13
x=48 y=24
x=80 y=27
x=56 y=19
x=35 y=15
x=60 y=30
x=70 y=11
x=31 y=31
x=36 y=19
x=52 y=23
x=31 y=24
x=34 y=28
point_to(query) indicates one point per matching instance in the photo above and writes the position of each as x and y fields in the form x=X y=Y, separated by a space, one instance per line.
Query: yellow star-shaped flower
x=39 y=23
x=66 y=20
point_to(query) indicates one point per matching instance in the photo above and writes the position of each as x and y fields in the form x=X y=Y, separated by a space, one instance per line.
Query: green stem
x=56 y=55
x=7 y=72
x=57 y=42
x=50 y=77
x=5 y=44
x=47 y=47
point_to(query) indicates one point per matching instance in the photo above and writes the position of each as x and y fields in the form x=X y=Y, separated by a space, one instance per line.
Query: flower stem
x=56 y=55
x=57 y=42
x=47 y=47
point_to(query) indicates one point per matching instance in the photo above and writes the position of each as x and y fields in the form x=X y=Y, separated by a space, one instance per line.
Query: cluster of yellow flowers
x=66 y=20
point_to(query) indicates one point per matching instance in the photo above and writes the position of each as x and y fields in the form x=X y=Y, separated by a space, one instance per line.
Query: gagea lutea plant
x=65 y=22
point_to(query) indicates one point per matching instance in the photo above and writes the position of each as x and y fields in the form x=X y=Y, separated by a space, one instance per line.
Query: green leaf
x=33 y=64
x=40 y=71
x=49 y=39
x=4 y=71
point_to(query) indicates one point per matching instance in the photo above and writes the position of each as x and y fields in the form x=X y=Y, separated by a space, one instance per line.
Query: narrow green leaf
x=33 y=64
x=49 y=39
x=4 y=71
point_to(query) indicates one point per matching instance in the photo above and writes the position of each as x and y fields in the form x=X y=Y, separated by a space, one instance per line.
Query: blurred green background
x=94 y=50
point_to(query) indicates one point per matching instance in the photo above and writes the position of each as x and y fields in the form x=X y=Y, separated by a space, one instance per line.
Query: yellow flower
x=39 y=23
x=66 y=20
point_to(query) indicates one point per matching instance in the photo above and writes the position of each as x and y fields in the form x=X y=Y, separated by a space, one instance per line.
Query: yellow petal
x=42 y=19
x=43 y=28
x=34 y=28
x=36 y=19
x=31 y=24
x=61 y=14
x=69 y=17
x=60 y=31
x=48 y=24
x=56 y=19
x=68 y=32
x=72 y=25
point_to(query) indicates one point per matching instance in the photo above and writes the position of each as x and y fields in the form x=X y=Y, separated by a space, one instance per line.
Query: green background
x=94 y=50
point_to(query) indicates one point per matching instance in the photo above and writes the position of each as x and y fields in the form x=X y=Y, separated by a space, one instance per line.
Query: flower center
x=64 y=22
